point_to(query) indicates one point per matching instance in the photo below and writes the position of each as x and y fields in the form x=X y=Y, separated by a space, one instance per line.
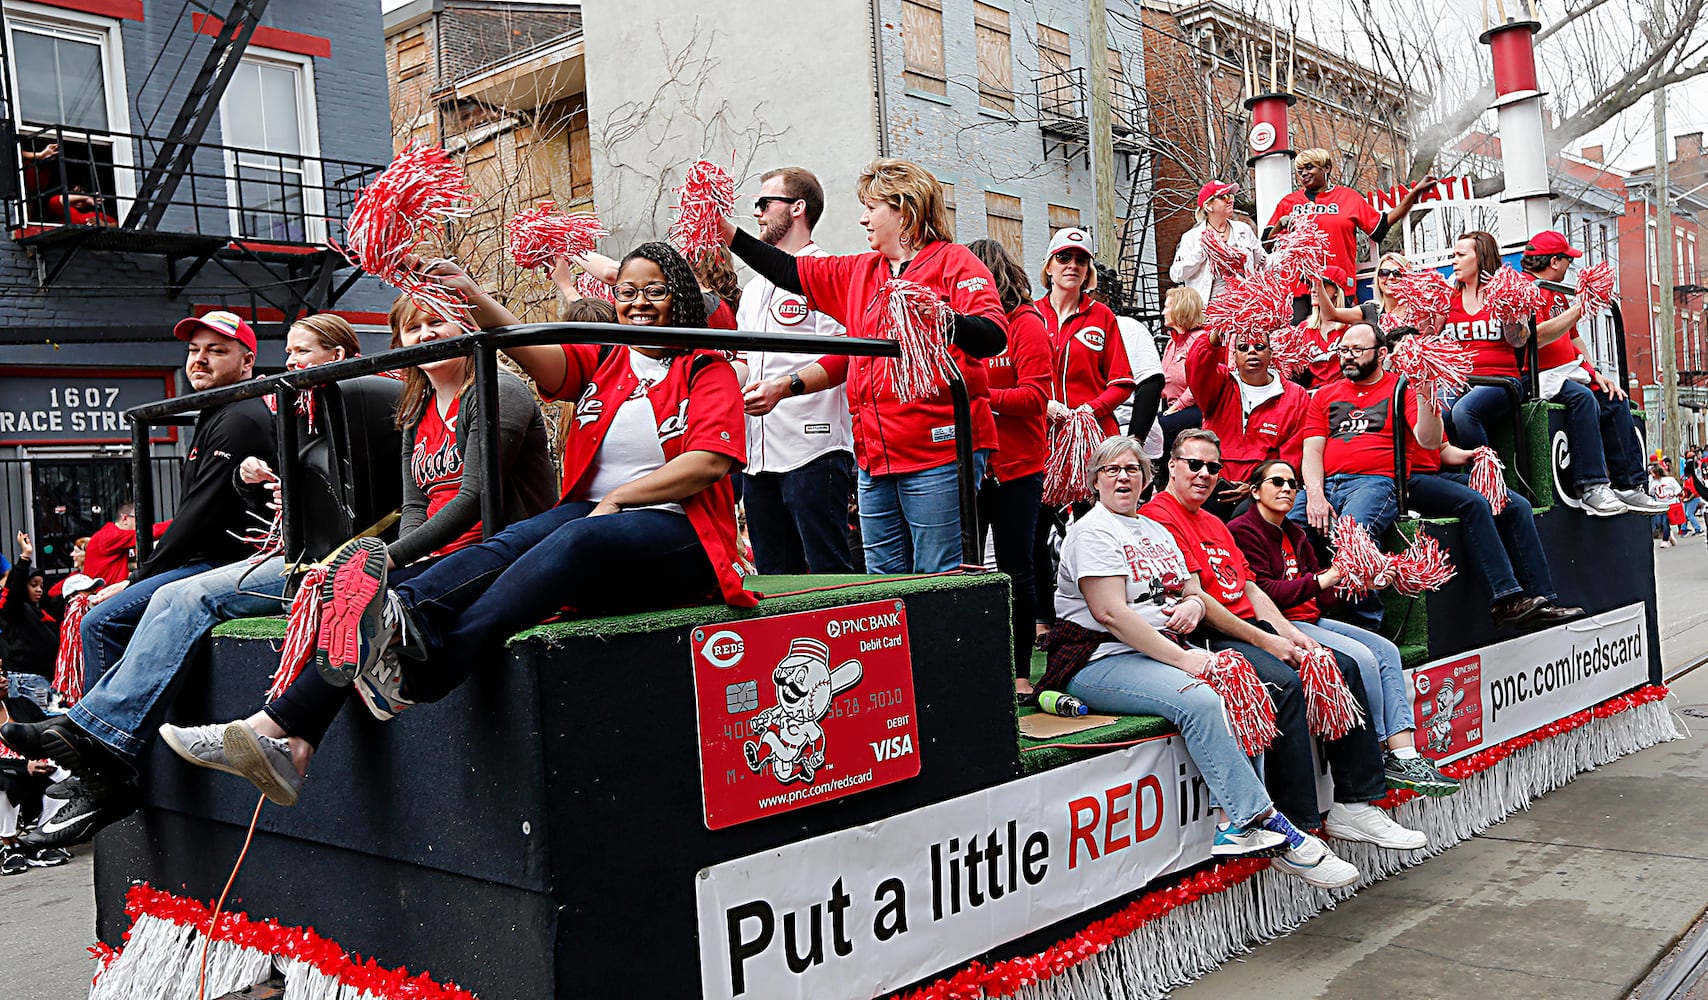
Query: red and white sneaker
x=352 y=632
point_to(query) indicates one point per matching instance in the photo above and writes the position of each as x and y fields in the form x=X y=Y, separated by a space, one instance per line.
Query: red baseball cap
x=1550 y=242
x=1333 y=274
x=219 y=321
x=1215 y=189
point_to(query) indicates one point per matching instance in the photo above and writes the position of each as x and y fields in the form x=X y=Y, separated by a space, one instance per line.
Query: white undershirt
x=1253 y=396
x=630 y=449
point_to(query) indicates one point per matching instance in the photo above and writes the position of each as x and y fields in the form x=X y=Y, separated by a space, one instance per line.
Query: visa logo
x=892 y=748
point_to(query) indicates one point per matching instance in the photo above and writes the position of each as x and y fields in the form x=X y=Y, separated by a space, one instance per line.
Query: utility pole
x=1101 y=138
x=1668 y=333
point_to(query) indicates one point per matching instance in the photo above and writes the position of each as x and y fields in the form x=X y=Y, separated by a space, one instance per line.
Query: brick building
x=199 y=198
x=1687 y=190
x=1197 y=55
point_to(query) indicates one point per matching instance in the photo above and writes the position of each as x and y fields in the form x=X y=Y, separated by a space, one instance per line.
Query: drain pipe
x=879 y=90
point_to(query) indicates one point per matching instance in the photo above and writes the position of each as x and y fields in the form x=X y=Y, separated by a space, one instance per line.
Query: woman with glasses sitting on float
x=1286 y=567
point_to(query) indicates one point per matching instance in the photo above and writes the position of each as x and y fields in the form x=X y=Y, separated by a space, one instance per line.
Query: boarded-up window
x=949 y=205
x=1120 y=101
x=1062 y=217
x=996 y=58
x=1055 y=87
x=411 y=56
x=922 y=45
x=1004 y=223
x=580 y=159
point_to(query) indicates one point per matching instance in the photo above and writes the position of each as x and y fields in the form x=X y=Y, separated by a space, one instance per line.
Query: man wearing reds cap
x=1194 y=266
x=1607 y=457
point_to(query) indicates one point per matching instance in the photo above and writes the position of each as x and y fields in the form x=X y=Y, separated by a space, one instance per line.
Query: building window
x=1055 y=77
x=922 y=46
x=412 y=56
x=268 y=120
x=1062 y=217
x=1005 y=223
x=1120 y=101
x=995 y=58
x=1690 y=258
x=1654 y=266
x=949 y=206
x=1601 y=241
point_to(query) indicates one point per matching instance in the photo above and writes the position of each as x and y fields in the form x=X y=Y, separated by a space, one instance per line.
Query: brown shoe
x=1550 y=614
x=1516 y=609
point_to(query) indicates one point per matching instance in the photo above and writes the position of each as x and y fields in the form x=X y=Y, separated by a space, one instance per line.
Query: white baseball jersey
x=801 y=428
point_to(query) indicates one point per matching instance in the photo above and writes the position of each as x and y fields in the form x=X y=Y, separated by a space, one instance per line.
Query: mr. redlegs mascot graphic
x=789 y=732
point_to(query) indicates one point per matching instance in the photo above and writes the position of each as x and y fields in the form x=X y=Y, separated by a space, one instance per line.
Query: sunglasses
x=761 y=204
x=655 y=292
x=1389 y=272
x=1251 y=348
x=1069 y=256
x=1199 y=465
x=1116 y=471
x=1282 y=483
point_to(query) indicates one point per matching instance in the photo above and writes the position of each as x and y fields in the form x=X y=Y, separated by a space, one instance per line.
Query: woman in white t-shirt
x=1124 y=599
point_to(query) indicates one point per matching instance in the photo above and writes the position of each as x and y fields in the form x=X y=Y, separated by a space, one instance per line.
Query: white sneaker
x=1600 y=501
x=1640 y=502
x=1317 y=865
x=1370 y=824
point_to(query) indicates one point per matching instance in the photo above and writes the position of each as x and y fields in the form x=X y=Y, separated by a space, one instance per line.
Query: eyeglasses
x=1117 y=471
x=1389 y=272
x=763 y=203
x=658 y=291
x=1251 y=348
x=1282 y=483
x=1352 y=352
x=1198 y=465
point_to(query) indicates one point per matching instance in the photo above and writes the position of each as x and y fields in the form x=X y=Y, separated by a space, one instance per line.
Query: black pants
x=1008 y=512
x=1354 y=760
x=798 y=520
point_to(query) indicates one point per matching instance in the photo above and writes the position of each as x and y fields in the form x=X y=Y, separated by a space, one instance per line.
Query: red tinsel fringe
x=1357 y=556
x=1071 y=445
x=68 y=665
x=1302 y=252
x=269 y=937
x=1511 y=296
x=539 y=234
x=1224 y=260
x=1251 y=712
x=1006 y=978
x=300 y=629
x=1486 y=478
x=706 y=197
x=1427 y=297
x=1595 y=287
x=1331 y=711
x=919 y=321
x=1433 y=364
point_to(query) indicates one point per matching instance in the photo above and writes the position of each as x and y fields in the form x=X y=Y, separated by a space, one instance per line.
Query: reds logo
x=1227 y=581
x=790 y=311
x=588 y=407
x=1092 y=337
x=676 y=424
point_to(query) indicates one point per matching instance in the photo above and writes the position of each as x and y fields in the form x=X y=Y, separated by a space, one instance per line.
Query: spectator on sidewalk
x=22 y=784
x=32 y=635
x=1666 y=490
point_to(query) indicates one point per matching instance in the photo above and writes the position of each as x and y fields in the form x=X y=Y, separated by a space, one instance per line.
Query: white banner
x=865 y=911
x=1479 y=699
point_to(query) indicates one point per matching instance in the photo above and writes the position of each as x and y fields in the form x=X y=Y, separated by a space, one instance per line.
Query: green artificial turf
x=1041 y=755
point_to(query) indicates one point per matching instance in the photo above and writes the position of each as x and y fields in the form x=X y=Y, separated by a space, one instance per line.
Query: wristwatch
x=796 y=386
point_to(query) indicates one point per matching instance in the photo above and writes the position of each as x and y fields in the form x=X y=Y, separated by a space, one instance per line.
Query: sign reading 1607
x=94 y=397
x=61 y=406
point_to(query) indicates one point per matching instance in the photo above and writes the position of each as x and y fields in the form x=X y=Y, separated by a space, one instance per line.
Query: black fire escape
x=263 y=217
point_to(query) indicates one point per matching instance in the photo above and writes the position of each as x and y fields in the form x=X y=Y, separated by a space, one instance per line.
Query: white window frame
x=106 y=32
x=308 y=127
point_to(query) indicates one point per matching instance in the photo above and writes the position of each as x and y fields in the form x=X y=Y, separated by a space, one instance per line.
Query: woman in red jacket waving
x=1014 y=487
x=910 y=518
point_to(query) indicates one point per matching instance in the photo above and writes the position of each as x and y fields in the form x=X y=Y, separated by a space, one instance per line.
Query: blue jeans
x=1505 y=548
x=1009 y=512
x=911 y=521
x=1373 y=505
x=1378 y=664
x=108 y=627
x=798 y=520
x=1135 y=684
x=120 y=709
x=467 y=605
x=1469 y=417
x=1602 y=437
x=35 y=687
x=1690 y=507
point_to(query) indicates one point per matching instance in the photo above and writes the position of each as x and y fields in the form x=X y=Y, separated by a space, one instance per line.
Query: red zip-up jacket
x=1088 y=362
x=1275 y=429
x=1019 y=396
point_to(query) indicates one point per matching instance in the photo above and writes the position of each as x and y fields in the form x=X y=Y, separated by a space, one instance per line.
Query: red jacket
x=1088 y=360
x=1275 y=429
x=1019 y=396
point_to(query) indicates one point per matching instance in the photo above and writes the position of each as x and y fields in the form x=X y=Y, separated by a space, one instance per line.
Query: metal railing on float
x=484 y=347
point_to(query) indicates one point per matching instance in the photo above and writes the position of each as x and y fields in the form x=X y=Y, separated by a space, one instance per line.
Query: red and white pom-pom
x=1259 y=303
x=706 y=197
x=1511 y=297
x=409 y=201
x=1595 y=287
x=1433 y=364
x=539 y=234
x=1302 y=252
x=1251 y=712
x=68 y=665
x=1422 y=566
x=1071 y=445
x=1224 y=260
x=1486 y=477
x=592 y=288
x=914 y=316
x=300 y=630
x=1293 y=348
x=1360 y=560
x=1425 y=295
x=1331 y=711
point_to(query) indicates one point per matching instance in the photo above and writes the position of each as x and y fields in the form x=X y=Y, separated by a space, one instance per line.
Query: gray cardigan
x=530 y=479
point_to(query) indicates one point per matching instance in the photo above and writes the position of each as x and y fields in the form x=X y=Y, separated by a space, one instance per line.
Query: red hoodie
x=1019 y=395
x=1274 y=429
x=1088 y=360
